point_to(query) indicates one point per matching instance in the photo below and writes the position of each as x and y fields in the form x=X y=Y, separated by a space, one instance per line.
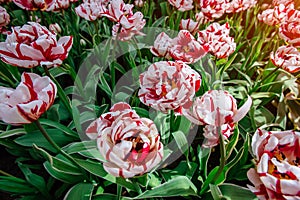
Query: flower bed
x=113 y=99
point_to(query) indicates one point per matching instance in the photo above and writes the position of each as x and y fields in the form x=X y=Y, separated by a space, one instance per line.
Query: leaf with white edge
x=81 y=191
x=13 y=132
x=179 y=186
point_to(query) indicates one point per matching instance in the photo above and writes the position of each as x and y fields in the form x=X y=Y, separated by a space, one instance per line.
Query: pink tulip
x=236 y=6
x=55 y=28
x=213 y=9
x=90 y=9
x=289 y=30
x=60 y=5
x=190 y=25
x=216 y=109
x=34 y=4
x=129 y=144
x=186 y=48
x=182 y=5
x=217 y=37
x=25 y=104
x=161 y=46
x=32 y=45
x=169 y=85
x=276 y=15
x=277 y=173
x=286 y=57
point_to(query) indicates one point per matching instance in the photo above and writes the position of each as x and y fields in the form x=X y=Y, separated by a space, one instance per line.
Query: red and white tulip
x=130 y=144
x=284 y=2
x=32 y=45
x=277 y=172
x=60 y=5
x=289 y=30
x=213 y=9
x=186 y=48
x=161 y=46
x=287 y=58
x=182 y=5
x=34 y=4
x=168 y=86
x=4 y=18
x=216 y=109
x=236 y=6
x=217 y=37
x=90 y=10
x=25 y=104
x=190 y=25
x=275 y=15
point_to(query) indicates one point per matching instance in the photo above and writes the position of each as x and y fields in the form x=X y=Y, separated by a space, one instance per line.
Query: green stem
x=5 y=173
x=61 y=92
x=119 y=192
x=223 y=156
x=57 y=148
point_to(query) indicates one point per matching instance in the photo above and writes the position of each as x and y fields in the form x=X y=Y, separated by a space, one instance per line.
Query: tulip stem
x=7 y=79
x=6 y=174
x=119 y=192
x=61 y=93
x=223 y=156
x=57 y=148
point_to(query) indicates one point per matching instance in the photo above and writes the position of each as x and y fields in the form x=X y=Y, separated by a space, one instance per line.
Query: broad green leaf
x=59 y=126
x=77 y=147
x=36 y=137
x=37 y=181
x=13 y=132
x=181 y=141
x=178 y=186
x=15 y=185
x=81 y=191
x=97 y=169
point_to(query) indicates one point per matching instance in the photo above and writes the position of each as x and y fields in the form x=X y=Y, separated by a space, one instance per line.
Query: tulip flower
x=287 y=58
x=4 y=18
x=186 y=48
x=217 y=37
x=213 y=9
x=60 y=5
x=236 y=6
x=275 y=15
x=34 y=4
x=277 y=172
x=182 y=5
x=161 y=46
x=90 y=9
x=216 y=108
x=190 y=25
x=25 y=104
x=32 y=45
x=289 y=30
x=130 y=144
x=169 y=85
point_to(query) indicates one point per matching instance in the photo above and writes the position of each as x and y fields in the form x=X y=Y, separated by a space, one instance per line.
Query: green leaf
x=181 y=141
x=13 y=132
x=37 y=181
x=36 y=137
x=59 y=126
x=77 y=147
x=81 y=191
x=179 y=186
x=97 y=169
x=15 y=185
x=236 y=192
